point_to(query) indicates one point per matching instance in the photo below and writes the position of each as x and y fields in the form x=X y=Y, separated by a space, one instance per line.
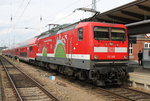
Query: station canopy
x=133 y=12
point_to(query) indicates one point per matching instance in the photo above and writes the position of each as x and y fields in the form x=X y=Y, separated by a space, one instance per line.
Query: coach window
x=30 y=48
x=80 y=34
x=101 y=33
x=16 y=50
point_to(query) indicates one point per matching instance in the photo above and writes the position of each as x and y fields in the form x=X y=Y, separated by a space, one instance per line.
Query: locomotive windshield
x=101 y=33
x=118 y=34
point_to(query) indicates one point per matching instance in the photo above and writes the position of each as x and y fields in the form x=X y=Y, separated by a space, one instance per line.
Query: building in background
x=3 y=48
x=137 y=43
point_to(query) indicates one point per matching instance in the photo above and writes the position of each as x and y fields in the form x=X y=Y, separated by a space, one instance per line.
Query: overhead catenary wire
x=11 y=18
x=41 y=17
x=65 y=17
x=23 y=11
x=15 y=21
x=13 y=26
x=92 y=3
x=21 y=4
x=66 y=7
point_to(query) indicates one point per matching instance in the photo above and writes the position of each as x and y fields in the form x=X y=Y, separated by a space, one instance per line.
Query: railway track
x=116 y=94
x=25 y=87
x=124 y=94
x=30 y=92
x=130 y=94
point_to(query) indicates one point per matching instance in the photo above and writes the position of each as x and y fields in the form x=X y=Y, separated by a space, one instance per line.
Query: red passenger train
x=92 y=51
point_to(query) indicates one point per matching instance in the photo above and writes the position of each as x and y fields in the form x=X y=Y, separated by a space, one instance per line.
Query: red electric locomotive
x=92 y=51
x=88 y=50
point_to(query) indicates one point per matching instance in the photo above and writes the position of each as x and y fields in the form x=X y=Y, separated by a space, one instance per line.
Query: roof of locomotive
x=66 y=27
x=57 y=30
x=81 y=24
x=63 y=28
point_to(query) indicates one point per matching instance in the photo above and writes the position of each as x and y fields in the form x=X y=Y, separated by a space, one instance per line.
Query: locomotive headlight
x=95 y=57
x=105 y=44
x=125 y=57
x=117 y=45
x=111 y=44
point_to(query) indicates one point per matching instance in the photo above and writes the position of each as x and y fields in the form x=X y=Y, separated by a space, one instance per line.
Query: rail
x=25 y=87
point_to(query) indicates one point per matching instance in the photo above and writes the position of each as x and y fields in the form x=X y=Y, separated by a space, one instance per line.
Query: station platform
x=0 y=86
x=0 y=93
x=140 y=78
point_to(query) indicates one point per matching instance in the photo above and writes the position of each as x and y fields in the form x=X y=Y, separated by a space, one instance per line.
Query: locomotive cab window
x=101 y=33
x=80 y=34
x=118 y=34
x=30 y=48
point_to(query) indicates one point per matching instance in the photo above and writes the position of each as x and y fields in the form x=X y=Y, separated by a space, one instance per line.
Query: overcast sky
x=17 y=15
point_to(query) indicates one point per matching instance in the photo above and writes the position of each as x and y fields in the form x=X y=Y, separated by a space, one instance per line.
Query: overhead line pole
x=93 y=6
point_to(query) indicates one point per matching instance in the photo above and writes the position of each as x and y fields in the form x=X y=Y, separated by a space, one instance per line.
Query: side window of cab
x=31 y=48
x=80 y=34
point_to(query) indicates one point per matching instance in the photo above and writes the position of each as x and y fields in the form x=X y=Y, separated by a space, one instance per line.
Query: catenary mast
x=93 y=6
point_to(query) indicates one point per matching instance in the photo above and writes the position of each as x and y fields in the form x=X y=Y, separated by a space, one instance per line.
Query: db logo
x=111 y=49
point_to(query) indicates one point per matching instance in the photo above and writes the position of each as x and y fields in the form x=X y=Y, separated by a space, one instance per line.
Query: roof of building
x=3 y=48
x=136 y=11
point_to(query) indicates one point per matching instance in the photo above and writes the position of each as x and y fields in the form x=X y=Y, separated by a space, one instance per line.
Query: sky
x=21 y=20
